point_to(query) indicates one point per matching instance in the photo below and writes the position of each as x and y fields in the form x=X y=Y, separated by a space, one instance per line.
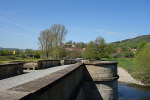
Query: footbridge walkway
x=86 y=80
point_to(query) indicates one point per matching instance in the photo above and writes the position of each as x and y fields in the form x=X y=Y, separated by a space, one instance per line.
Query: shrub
x=36 y=54
x=23 y=56
x=143 y=60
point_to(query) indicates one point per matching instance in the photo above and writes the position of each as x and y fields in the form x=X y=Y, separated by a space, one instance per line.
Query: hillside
x=133 y=43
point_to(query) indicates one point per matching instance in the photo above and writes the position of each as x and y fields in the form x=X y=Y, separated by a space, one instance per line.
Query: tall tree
x=51 y=39
x=102 y=46
x=90 y=51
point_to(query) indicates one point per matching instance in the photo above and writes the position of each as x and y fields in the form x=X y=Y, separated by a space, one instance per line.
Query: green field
x=133 y=68
x=126 y=63
x=15 y=58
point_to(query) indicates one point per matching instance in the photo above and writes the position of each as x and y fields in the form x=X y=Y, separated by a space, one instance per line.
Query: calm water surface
x=133 y=92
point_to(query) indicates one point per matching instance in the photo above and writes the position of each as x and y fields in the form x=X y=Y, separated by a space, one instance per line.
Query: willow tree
x=51 y=39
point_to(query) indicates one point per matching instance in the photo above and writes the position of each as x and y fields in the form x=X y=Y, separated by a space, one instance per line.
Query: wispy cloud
x=17 y=33
x=11 y=12
x=20 y=25
x=11 y=38
x=75 y=29
x=115 y=33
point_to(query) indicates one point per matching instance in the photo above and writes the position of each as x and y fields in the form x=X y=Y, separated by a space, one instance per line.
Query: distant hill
x=12 y=49
x=133 y=43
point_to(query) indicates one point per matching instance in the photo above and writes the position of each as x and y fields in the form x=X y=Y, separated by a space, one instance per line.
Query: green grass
x=131 y=66
x=126 y=63
x=14 y=58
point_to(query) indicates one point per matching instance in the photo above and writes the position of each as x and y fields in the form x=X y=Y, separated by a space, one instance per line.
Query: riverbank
x=124 y=76
x=127 y=66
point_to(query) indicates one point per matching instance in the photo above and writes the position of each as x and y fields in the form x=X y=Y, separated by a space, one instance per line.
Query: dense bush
x=143 y=60
x=129 y=54
x=36 y=54
x=141 y=45
x=1 y=52
x=23 y=56
x=7 y=52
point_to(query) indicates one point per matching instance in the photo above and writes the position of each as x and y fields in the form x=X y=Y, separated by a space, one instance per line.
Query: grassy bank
x=133 y=68
x=15 y=58
x=128 y=64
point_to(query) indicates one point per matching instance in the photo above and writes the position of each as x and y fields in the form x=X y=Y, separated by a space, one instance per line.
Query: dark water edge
x=133 y=92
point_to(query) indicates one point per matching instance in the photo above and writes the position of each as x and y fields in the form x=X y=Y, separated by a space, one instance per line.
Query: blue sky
x=22 y=20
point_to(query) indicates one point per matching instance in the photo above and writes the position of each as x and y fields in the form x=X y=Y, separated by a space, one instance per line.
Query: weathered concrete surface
x=28 y=76
x=60 y=85
x=30 y=65
x=100 y=80
x=41 y=64
x=66 y=62
x=81 y=81
x=11 y=69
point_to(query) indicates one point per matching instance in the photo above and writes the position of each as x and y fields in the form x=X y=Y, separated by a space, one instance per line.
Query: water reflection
x=133 y=92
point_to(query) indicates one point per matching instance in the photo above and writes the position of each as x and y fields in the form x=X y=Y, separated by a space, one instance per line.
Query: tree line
x=28 y=52
x=98 y=49
x=5 y=52
x=51 y=46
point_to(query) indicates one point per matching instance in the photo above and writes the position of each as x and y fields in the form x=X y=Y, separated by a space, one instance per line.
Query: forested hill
x=133 y=43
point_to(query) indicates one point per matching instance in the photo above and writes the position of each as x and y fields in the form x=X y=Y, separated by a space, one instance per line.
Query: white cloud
x=115 y=33
x=17 y=33
x=20 y=25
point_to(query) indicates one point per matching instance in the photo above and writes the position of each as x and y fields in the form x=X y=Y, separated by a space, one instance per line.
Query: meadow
x=128 y=64
x=15 y=58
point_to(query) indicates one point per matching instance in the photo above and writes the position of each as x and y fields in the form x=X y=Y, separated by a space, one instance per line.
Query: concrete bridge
x=87 y=80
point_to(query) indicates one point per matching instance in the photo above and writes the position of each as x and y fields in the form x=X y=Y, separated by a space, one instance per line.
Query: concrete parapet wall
x=61 y=85
x=42 y=64
x=11 y=69
x=48 y=63
x=66 y=62
x=90 y=80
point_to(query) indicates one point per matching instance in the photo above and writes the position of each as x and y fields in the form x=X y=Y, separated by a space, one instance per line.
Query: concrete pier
x=100 y=80
x=87 y=80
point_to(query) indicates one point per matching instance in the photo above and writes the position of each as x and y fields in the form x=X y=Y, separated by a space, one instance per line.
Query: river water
x=133 y=92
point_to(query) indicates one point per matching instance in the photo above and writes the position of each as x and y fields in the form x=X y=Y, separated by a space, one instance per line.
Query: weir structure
x=86 y=80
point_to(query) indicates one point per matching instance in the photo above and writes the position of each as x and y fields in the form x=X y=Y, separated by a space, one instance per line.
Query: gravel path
x=28 y=76
x=124 y=76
